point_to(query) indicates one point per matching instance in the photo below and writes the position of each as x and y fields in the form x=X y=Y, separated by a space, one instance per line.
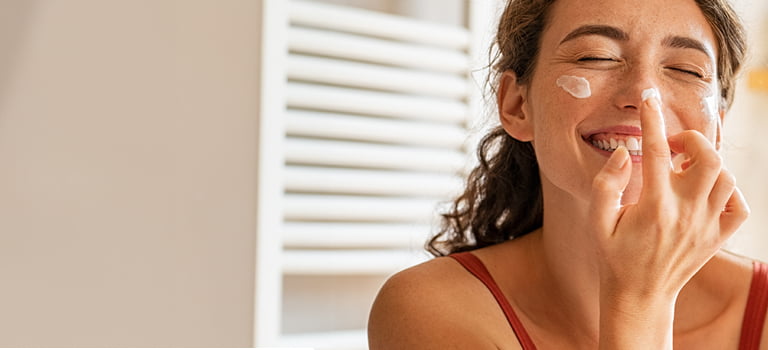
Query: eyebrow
x=593 y=29
x=682 y=42
x=614 y=33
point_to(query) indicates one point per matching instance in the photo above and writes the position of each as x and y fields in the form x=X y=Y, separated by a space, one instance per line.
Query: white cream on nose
x=651 y=92
x=578 y=87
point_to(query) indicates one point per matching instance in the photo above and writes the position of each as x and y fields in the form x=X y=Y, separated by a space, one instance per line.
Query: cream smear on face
x=652 y=92
x=578 y=87
x=711 y=108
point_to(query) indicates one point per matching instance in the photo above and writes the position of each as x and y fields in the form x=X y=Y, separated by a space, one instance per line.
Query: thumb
x=607 y=188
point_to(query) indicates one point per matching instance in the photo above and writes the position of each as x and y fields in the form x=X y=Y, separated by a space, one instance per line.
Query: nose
x=630 y=86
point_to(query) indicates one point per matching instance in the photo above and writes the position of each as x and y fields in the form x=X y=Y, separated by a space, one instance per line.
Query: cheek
x=697 y=110
x=555 y=102
x=559 y=103
x=564 y=97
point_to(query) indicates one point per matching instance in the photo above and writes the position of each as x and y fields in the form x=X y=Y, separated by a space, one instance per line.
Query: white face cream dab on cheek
x=711 y=108
x=578 y=87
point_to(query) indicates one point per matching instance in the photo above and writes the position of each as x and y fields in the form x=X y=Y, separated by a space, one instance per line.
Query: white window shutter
x=376 y=111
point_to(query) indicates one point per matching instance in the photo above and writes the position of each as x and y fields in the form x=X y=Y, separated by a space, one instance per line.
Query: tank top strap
x=754 y=313
x=476 y=267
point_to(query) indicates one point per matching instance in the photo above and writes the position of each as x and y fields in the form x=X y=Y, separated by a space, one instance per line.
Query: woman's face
x=619 y=48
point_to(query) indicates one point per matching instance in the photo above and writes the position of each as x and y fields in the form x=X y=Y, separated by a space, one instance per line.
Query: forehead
x=643 y=20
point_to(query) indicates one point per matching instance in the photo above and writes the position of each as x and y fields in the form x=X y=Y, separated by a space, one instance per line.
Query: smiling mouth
x=609 y=142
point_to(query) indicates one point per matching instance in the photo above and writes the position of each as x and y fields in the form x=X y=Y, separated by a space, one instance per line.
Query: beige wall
x=127 y=164
x=745 y=144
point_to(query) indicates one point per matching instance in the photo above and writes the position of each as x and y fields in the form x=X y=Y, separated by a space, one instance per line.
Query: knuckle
x=727 y=179
x=691 y=134
x=602 y=183
x=742 y=213
x=711 y=160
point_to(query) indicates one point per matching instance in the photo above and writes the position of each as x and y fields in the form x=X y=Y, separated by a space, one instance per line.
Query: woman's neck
x=567 y=262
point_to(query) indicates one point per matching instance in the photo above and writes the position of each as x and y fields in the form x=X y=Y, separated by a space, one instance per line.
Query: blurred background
x=237 y=173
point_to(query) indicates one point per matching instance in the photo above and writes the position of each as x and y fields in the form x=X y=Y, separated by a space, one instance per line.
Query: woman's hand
x=649 y=250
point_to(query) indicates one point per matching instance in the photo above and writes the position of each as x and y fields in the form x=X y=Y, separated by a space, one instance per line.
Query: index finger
x=656 y=153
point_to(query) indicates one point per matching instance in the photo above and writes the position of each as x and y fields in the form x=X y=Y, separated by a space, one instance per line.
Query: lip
x=616 y=129
x=635 y=159
x=628 y=130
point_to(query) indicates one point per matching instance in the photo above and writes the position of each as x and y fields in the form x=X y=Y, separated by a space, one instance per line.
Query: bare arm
x=412 y=313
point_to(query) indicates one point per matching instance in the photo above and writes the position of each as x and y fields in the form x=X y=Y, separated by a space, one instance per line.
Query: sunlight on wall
x=746 y=147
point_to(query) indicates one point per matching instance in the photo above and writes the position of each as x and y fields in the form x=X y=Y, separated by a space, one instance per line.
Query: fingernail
x=653 y=103
x=619 y=158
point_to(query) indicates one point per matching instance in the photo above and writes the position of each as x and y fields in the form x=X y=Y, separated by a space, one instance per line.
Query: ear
x=511 y=97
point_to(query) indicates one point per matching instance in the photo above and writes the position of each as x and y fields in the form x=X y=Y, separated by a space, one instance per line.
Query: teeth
x=632 y=144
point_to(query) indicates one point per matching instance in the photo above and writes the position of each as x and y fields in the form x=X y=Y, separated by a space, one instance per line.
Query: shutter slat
x=358 y=48
x=388 y=183
x=368 y=76
x=301 y=207
x=356 y=101
x=346 y=262
x=361 y=128
x=375 y=118
x=354 y=235
x=371 y=23
x=361 y=155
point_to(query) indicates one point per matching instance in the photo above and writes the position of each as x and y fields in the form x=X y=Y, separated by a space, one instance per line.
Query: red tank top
x=751 y=326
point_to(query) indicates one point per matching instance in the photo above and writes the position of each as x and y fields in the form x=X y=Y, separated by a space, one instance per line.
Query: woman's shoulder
x=711 y=307
x=436 y=304
x=428 y=282
x=725 y=280
x=728 y=273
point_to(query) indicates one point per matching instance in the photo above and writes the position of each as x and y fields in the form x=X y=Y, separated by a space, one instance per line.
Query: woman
x=577 y=231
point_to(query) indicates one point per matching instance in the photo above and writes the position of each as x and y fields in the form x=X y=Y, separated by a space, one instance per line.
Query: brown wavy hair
x=502 y=198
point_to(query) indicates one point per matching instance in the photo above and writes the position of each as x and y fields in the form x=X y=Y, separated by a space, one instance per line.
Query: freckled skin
x=559 y=120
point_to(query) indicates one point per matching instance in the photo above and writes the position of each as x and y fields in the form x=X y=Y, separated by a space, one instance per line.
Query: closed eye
x=695 y=74
x=586 y=59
